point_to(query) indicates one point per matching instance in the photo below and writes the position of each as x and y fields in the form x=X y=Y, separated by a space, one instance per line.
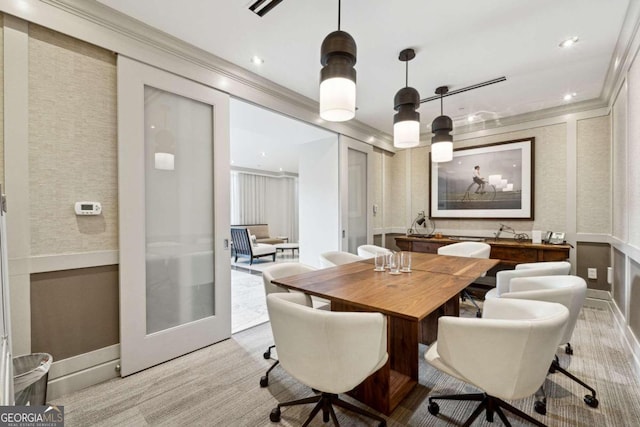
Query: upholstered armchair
x=503 y=278
x=333 y=258
x=242 y=245
x=329 y=351
x=569 y=291
x=370 y=251
x=268 y=275
x=505 y=354
x=469 y=250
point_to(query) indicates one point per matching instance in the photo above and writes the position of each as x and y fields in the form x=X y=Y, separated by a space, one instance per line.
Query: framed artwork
x=493 y=181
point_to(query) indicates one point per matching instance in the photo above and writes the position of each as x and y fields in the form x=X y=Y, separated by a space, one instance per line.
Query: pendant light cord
x=441 y=113
x=406 y=74
x=339 y=7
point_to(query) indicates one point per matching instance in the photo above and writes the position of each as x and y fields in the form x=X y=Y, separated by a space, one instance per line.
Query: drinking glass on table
x=405 y=262
x=394 y=263
x=380 y=261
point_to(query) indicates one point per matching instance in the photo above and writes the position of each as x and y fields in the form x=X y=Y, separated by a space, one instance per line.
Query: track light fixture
x=442 y=141
x=406 y=122
x=338 y=77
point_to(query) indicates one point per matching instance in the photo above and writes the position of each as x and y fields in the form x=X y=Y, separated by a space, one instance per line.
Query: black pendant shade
x=337 y=76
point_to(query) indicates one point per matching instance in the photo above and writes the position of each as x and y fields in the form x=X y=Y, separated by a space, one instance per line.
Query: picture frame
x=492 y=181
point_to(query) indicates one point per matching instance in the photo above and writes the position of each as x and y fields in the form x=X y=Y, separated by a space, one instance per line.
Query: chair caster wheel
x=382 y=424
x=433 y=408
x=591 y=401
x=552 y=370
x=478 y=314
x=568 y=350
x=267 y=355
x=274 y=416
x=540 y=407
x=264 y=381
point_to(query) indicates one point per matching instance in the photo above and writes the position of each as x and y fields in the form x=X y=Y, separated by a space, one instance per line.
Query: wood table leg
x=429 y=325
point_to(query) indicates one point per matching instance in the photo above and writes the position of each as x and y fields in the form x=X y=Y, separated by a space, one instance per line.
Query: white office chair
x=469 y=250
x=370 y=251
x=333 y=258
x=277 y=271
x=503 y=278
x=563 y=267
x=505 y=354
x=329 y=351
x=569 y=291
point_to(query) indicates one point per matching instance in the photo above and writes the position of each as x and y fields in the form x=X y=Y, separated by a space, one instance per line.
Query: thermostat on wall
x=88 y=208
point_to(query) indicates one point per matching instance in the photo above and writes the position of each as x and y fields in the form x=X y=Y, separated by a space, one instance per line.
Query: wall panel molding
x=45 y=263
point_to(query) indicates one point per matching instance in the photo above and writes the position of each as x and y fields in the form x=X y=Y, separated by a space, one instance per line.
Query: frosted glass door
x=173 y=151
x=357 y=195
x=178 y=209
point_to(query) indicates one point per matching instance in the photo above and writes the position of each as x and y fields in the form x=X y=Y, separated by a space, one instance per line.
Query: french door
x=173 y=161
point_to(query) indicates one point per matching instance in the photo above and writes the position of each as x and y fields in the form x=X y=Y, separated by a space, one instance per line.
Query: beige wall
x=594 y=175
x=395 y=184
x=619 y=166
x=72 y=143
x=419 y=181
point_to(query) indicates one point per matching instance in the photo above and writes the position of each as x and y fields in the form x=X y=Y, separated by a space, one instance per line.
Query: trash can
x=30 y=375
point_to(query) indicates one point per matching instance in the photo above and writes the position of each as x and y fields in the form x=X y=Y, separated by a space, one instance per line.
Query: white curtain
x=259 y=199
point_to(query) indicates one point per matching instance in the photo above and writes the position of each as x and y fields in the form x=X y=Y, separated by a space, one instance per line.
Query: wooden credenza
x=508 y=251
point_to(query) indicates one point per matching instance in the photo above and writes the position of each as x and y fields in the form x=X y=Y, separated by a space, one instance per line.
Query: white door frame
x=140 y=350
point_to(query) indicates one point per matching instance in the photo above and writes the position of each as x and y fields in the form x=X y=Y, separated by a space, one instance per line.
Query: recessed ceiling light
x=570 y=96
x=263 y=154
x=256 y=60
x=152 y=126
x=569 y=42
x=471 y=118
x=232 y=162
x=280 y=169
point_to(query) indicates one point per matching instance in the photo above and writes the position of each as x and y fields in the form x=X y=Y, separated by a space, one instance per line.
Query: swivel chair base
x=325 y=402
x=540 y=406
x=490 y=404
x=264 y=380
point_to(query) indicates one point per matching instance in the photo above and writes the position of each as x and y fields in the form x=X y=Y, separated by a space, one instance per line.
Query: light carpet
x=218 y=386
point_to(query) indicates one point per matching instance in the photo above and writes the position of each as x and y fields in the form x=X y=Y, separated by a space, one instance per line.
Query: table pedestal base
x=385 y=389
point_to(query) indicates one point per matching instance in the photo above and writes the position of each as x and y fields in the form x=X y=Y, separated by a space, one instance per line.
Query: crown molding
x=110 y=21
x=624 y=53
x=520 y=119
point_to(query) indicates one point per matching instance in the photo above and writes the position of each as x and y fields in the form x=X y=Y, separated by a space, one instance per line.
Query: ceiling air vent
x=261 y=7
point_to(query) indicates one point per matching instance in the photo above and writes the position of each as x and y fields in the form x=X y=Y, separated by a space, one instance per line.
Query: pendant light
x=406 y=122
x=338 y=77
x=442 y=141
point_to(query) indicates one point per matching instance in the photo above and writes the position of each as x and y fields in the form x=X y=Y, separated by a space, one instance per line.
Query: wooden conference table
x=412 y=301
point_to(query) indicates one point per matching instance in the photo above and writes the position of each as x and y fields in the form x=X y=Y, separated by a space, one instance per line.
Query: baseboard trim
x=79 y=380
x=630 y=339
x=84 y=370
x=83 y=361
